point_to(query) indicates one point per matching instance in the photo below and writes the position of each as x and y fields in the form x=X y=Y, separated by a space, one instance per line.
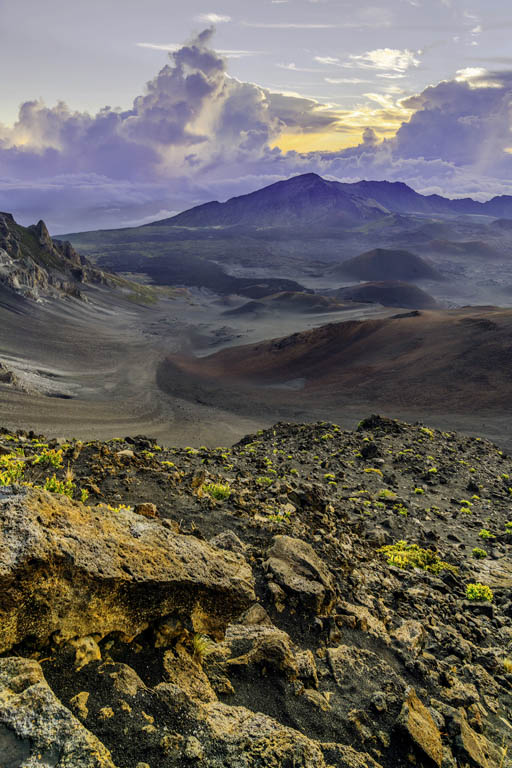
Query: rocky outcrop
x=300 y=599
x=418 y=726
x=299 y=575
x=34 y=265
x=36 y=729
x=75 y=571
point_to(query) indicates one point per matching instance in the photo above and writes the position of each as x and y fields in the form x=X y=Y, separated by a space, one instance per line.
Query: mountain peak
x=310 y=200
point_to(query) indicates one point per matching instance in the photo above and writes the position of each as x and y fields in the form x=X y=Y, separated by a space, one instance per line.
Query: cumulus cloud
x=196 y=133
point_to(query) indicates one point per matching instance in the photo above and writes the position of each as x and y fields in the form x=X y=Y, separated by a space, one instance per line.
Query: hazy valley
x=383 y=301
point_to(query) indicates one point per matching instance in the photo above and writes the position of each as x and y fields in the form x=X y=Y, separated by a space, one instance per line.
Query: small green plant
x=507 y=664
x=419 y=491
x=485 y=534
x=84 y=495
x=12 y=468
x=478 y=553
x=265 y=480
x=370 y=470
x=66 y=487
x=119 y=508
x=410 y=556
x=479 y=593
x=49 y=457
x=202 y=647
x=329 y=476
x=218 y=491
x=386 y=494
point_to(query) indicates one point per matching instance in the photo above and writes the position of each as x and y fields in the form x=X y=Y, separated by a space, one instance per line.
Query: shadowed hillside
x=386 y=264
x=389 y=294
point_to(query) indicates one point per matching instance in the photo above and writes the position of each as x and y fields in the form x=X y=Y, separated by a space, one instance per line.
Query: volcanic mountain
x=294 y=302
x=311 y=200
x=299 y=200
x=387 y=264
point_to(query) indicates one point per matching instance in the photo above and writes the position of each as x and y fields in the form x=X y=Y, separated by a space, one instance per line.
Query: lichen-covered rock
x=35 y=265
x=366 y=671
x=298 y=571
x=239 y=738
x=418 y=725
x=474 y=749
x=262 y=646
x=36 y=729
x=77 y=571
x=347 y=757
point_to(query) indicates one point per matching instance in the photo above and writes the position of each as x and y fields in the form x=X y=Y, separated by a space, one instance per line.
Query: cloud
x=345 y=80
x=327 y=59
x=392 y=59
x=286 y=25
x=196 y=133
x=226 y=53
x=213 y=18
x=464 y=121
x=292 y=67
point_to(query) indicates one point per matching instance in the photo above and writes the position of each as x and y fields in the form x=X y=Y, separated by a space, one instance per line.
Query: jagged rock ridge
x=34 y=265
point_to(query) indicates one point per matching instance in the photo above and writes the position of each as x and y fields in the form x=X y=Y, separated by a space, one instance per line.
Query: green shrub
x=66 y=487
x=387 y=494
x=485 y=534
x=479 y=592
x=409 y=556
x=265 y=480
x=218 y=491
x=202 y=647
x=479 y=553
x=49 y=457
x=12 y=468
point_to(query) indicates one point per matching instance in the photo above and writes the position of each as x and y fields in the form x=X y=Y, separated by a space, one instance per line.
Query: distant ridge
x=309 y=199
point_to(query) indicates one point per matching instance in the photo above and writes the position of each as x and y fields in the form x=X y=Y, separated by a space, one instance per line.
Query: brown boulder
x=36 y=729
x=418 y=725
x=296 y=568
x=79 y=571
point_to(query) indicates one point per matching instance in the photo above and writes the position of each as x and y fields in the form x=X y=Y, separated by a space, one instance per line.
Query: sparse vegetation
x=478 y=553
x=217 y=491
x=479 y=592
x=410 y=556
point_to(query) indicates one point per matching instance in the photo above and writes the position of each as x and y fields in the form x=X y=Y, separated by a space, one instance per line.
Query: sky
x=116 y=113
